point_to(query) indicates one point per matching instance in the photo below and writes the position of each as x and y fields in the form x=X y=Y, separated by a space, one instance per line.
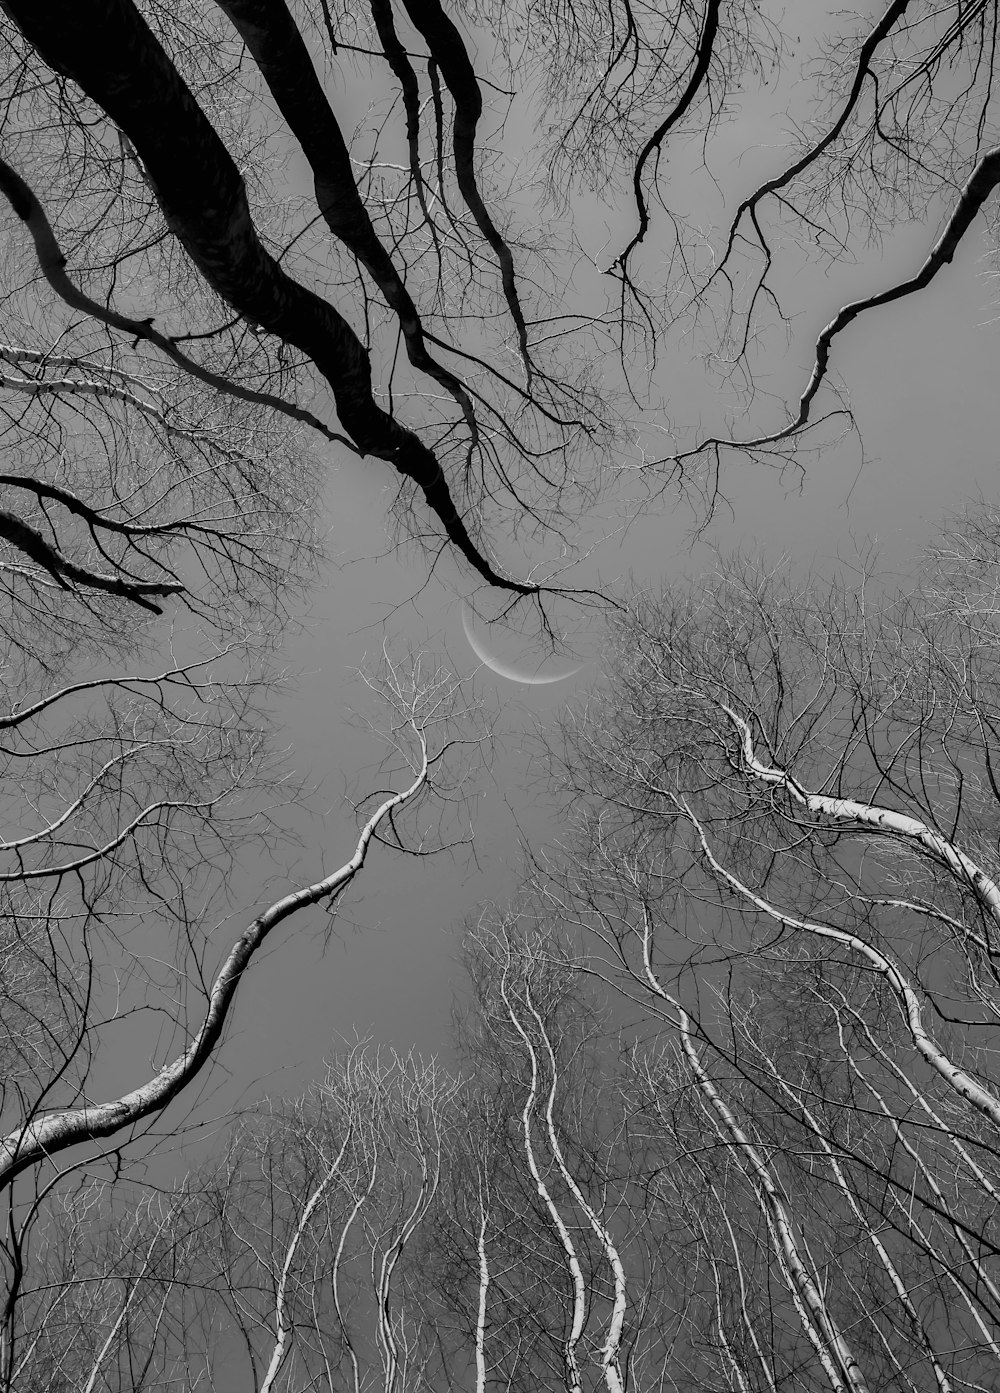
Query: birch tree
x=787 y=858
x=539 y=1252
x=59 y=986
x=322 y=1204
x=768 y=1160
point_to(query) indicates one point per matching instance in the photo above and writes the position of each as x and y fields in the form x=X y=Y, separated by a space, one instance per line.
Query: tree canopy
x=723 y=1108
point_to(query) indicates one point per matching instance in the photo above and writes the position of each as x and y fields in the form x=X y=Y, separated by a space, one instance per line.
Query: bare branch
x=47 y=1136
x=107 y=48
x=702 y=62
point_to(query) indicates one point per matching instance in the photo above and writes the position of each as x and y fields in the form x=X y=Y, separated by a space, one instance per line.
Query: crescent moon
x=508 y=670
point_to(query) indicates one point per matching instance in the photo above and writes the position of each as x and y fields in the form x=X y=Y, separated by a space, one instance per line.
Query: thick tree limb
x=874 y=818
x=45 y=1137
x=95 y=521
x=106 y=47
x=273 y=38
x=399 y=61
x=52 y=264
x=63 y=571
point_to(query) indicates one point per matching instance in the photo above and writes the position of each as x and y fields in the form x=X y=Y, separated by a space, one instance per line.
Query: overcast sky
x=921 y=376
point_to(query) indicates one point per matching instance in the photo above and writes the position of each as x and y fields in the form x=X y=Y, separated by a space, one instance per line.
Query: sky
x=921 y=378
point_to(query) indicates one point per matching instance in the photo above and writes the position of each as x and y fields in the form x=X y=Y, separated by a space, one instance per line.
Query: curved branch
x=881 y=30
x=99 y=854
x=876 y=819
x=981 y=183
x=978 y=188
x=51 y=828
x=283 y=1328
x=85 y=386
x=954 y=1076
x=47 y=1136
x=95 y=521
x=703 y=57
x=52 y=264
x=17 y=718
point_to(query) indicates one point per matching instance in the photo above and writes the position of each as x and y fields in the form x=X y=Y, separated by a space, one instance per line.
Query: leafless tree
x=787 y=855
x=404 y=307
x=209 y=282
x=68 y=993
x=769 y=1158
x=320 y=1205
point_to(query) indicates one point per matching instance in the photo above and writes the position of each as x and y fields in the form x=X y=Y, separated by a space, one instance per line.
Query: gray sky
x=921 y=376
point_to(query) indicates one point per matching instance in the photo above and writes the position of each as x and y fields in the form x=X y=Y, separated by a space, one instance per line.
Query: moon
x=509 y=670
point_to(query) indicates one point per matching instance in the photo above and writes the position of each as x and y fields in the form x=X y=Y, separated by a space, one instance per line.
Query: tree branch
x=52 y=263
x=27 y=540
x=273 y=38
x=448 y=50
x=974 y=194
x=106 y=47
x=47 y=1136
x=703 y=57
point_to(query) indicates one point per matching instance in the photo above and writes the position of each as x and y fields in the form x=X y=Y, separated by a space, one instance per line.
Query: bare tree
x=773 y=1162
x=403 y=306
x=319 y=1209
x=541 y=1254
x=209 y=281
x=788 y=859
x=60 y=981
